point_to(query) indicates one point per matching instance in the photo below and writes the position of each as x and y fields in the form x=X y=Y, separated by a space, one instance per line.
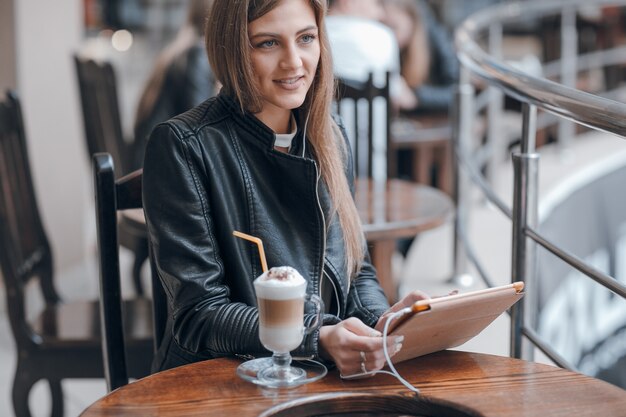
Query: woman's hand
x=405 y=98
x=407 y=301
x=354 y=347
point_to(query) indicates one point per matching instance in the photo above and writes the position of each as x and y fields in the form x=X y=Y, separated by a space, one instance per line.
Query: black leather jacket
x=213 y=170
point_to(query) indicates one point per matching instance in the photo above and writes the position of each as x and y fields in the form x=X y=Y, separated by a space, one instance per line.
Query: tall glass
x=281 y=297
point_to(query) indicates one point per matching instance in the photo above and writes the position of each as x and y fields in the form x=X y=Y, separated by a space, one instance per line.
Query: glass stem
x=281 y=362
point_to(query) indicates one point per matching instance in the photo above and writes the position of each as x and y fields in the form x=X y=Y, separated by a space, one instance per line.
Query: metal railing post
x=525 y=169
x=529 y=131
x=462 y=138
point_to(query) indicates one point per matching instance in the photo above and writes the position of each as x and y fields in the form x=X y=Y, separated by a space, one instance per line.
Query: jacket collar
x=260 y=134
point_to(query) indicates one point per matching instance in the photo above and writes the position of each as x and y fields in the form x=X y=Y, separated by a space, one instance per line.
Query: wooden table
x=396 y=209
x=452 y=383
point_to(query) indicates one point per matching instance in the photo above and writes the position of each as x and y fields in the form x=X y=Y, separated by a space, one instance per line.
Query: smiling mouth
x=289 y=81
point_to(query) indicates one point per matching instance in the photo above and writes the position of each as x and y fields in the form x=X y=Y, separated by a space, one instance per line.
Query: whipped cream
x=281 y=276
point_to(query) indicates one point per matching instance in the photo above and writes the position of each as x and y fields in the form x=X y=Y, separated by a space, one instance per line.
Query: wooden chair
x=363 y=97
x=103 y=133
x=63 y=340
x=111 y=197
x=390 y=209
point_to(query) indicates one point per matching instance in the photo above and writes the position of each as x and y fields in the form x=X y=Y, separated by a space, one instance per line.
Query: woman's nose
x=291 y=58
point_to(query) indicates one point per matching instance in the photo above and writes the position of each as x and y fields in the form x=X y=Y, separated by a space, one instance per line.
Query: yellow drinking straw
x=258 y=242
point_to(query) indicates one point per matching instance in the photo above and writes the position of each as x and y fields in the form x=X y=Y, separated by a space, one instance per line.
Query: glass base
x=262 y=372
x=281 y=377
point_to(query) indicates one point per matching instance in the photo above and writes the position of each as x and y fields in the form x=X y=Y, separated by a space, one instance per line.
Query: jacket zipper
x=319 y=206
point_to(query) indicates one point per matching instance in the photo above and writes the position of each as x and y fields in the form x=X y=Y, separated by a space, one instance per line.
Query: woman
x=181 y=79
x=265 y=158
x=428 y=63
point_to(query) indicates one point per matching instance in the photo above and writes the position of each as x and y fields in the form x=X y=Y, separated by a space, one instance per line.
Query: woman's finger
x=408 y=300
x=453 y=292
x=376 y=359
x=353 y=346
x=359 y=328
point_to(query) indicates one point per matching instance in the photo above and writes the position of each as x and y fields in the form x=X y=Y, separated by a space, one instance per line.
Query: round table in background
x=396 y=209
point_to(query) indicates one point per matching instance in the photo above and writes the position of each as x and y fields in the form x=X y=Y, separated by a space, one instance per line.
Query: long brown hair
x=189 y=33
x=228 y=48
x=414 y=57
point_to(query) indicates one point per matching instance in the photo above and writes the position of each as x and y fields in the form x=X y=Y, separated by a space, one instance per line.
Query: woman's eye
x=307 y=38
x=266 y=44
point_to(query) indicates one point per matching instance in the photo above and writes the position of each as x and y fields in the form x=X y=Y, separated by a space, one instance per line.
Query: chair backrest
x=111 y=197
x=369 y=102
x=25 y=252
x=101 y=116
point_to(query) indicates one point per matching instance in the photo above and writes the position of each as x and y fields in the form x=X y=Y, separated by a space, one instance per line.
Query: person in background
x=428 y=62
x=265 y=158
x=181 y=79
x=361 y=45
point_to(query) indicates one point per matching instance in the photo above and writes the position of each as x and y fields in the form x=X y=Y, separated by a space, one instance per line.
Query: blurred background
x=38 y=40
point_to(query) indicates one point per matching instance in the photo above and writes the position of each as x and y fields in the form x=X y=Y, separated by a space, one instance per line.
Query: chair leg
x=47 y=283
x=141 y=254
x=56 y=392
x=22 y=384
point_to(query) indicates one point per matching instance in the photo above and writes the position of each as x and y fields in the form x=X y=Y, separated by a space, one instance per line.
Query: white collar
x=284 y=139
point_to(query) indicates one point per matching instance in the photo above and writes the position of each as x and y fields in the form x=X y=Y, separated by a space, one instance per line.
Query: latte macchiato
x=280 y=296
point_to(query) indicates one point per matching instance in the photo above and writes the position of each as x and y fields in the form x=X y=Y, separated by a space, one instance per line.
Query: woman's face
x=400 y=22
x=285 y=54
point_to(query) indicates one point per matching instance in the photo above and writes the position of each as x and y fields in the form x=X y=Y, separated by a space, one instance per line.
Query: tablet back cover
x=451 y=321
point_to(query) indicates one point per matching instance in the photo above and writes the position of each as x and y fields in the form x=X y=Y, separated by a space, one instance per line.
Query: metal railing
x=559 y=100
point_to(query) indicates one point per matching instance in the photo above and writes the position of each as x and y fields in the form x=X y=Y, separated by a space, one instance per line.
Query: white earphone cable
x=393 y=370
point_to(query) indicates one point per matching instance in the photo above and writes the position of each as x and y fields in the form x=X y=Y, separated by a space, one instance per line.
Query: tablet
x=445 y=322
